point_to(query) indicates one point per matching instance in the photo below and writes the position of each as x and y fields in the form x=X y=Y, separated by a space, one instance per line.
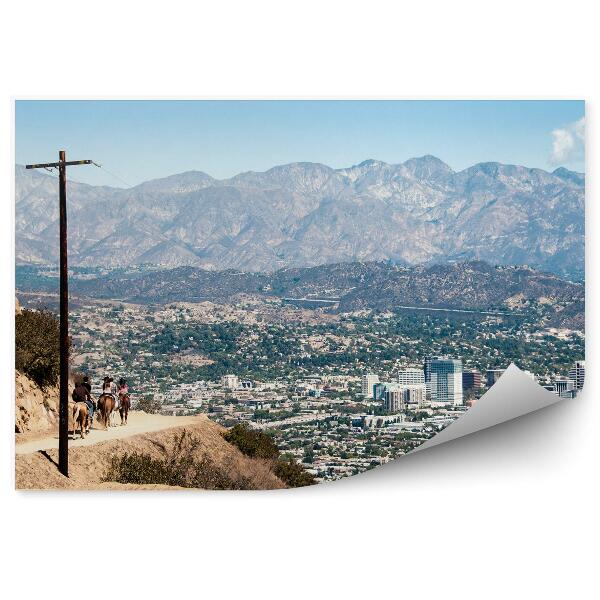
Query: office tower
x=427 y=369
x=563 y=387
x=471 y=380
x=415 y=395
x=446 y=381
x=393 y=399
x=577 y=374
x=411 y=377
x=492 y=375
x=368 y=382
x=379 y=390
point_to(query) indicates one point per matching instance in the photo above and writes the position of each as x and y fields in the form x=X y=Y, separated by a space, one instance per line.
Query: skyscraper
x=471 y=380
x=411 y=376
x=577 y=374
x=492 y=375
x=393 y=399
x=397 y=397
x=446 y=381
x=427 y=368
x=368 y=382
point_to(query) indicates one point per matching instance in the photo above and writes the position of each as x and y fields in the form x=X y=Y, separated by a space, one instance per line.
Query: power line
x=111 y=173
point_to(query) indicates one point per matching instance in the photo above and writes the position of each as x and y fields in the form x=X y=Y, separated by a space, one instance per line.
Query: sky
x=138 y=140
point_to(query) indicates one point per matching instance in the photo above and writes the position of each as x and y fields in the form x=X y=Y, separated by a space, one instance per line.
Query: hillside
x=36 y=408
x=351 y=286
x=89 y=464
x=307 y=214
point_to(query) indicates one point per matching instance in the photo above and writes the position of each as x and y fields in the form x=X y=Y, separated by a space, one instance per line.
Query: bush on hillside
x=37 y=347
x=292 y=474
x=252 y=442
x=149 y=405
x=179 y=468
x=257 y=444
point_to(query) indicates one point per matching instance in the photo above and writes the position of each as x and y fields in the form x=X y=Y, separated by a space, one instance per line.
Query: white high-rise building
x=368 y=382
x=411 y=376
x=446 y=381
x=577 y=374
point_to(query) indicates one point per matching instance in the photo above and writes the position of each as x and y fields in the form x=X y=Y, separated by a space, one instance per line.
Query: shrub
x=292 y=474
x=149 y=405
x=37 y=347
x=252 y=442
x=258 y=444
x=179 y=468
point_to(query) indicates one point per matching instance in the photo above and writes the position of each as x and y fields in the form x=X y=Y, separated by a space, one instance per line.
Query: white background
x=507 y=513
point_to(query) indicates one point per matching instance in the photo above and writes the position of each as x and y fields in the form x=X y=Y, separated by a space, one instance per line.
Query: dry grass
x=89 y=465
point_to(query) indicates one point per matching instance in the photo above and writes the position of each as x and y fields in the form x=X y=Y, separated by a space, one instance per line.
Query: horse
x=106 y=406
x=124 y=406
x=80 y=415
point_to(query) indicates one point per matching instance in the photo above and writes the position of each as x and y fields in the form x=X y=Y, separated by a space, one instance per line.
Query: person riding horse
x=81 y=393
x=110 y=387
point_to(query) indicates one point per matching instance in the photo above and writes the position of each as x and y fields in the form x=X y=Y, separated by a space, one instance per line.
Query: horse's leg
x=75 y=417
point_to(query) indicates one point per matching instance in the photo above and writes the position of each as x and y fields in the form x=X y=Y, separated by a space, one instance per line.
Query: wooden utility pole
x=63 y=427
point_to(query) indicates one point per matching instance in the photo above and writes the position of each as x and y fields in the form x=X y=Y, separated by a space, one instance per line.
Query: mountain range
x=420 y=212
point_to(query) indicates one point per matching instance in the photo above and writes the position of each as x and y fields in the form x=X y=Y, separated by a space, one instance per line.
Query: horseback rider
x=123 y=389
x=81 y=393
x=110 y=387
x=86 y=383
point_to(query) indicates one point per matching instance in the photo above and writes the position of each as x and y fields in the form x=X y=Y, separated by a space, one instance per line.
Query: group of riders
x=118 y=392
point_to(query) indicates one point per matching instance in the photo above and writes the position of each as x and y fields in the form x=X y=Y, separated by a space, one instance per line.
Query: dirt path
x=36 y=463
x=138 y=422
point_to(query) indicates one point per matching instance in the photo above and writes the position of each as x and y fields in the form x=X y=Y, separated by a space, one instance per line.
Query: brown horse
x=124 y=406
x=81 y=416
x=106 y=406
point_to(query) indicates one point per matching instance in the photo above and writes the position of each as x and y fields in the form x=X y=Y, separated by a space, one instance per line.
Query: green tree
x=37 y=349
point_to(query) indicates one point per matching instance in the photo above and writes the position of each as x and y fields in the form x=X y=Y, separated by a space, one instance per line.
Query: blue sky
x=141 y=140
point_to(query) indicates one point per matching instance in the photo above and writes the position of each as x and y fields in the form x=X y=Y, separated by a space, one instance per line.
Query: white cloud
x=568 y=143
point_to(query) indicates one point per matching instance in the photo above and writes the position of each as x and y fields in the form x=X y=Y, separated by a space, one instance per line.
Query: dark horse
x=124 y=406
x=106 y=405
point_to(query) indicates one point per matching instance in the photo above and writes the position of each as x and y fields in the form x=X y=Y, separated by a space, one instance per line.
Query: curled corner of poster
x=513 y=395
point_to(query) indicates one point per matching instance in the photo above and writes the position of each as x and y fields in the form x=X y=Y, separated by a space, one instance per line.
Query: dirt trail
x=138 y=422
x=36 y=464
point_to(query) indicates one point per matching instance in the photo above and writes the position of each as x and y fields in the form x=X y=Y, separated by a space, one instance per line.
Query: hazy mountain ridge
x=352 y=286
x=305 y=214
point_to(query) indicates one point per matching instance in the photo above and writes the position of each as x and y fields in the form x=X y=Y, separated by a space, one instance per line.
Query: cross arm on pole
x=69 y=163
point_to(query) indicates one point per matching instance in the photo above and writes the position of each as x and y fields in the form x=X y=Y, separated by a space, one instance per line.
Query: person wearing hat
x=110 y=387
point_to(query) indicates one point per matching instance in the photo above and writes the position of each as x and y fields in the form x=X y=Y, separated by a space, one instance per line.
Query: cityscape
x=342 y=308
x=339 y=393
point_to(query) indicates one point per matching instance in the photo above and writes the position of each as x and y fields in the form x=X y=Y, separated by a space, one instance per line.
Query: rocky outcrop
x=36 y=408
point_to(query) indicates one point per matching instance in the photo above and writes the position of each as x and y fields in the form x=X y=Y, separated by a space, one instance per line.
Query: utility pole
x=63 y=427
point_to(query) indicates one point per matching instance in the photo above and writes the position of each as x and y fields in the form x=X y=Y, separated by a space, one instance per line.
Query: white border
x=510 y=512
